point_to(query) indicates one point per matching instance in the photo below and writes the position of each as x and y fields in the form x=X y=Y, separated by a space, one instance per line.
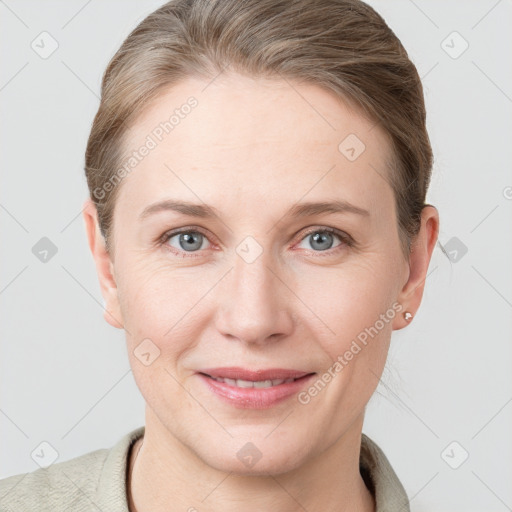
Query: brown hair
x=344 y=46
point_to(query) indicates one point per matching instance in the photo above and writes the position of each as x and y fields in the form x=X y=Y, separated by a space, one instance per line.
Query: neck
x=163 y=473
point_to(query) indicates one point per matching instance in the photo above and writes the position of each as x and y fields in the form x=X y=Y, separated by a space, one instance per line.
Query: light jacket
x=97 y=481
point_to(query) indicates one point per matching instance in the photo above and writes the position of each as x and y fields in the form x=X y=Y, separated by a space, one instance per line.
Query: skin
x=253 y=149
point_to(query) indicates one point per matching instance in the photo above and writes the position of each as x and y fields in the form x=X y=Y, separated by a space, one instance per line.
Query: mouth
x=254 y=389
x=267 y=383
x=245 y=378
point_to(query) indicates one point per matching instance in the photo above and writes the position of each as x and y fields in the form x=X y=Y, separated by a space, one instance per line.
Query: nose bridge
x=253 y=308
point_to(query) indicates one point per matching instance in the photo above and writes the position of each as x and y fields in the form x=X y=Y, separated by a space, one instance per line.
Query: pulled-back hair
x=344 y=46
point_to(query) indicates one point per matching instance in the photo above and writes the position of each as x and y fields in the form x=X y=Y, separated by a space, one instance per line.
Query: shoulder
x=381 y=478
x=93 y=481
x=60 y=486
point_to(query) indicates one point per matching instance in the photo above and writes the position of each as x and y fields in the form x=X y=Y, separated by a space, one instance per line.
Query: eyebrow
x=299 y=210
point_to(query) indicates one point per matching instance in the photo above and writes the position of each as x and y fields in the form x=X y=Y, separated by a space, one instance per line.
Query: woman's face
x=258 y=284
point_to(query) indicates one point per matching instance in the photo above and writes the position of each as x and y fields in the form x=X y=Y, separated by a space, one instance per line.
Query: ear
x=104 y=265
x=419 y=259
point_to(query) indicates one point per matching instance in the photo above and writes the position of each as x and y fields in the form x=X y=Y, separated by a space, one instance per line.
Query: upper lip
x=235 y=372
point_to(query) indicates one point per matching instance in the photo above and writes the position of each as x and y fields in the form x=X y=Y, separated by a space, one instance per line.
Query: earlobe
x=419 y=259
x=104 y=266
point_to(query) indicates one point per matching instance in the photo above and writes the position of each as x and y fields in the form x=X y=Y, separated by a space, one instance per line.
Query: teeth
x=243 y=383
x=239 y=383
x=264 y=384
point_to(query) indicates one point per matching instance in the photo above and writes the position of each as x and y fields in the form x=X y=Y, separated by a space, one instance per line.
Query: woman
x=257 y=174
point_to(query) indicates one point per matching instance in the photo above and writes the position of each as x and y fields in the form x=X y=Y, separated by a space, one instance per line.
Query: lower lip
x=255 y=398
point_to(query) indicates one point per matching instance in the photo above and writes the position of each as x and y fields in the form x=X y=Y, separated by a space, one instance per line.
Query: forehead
x=255 y=137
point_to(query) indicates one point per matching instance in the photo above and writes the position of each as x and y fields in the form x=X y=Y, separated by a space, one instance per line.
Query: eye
x=321 y=239
x=183 y=241
x=188 y=240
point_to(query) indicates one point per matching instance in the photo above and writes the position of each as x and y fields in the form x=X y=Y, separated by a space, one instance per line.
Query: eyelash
x=346 y=240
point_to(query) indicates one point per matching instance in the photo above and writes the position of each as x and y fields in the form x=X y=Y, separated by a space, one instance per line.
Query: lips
x=254 y=389
x=238 y=373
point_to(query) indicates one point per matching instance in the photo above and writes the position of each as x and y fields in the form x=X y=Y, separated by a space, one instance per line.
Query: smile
x=255 y=394
x=239 y=383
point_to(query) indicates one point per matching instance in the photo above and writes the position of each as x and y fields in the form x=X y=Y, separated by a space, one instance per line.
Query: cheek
x=163 y=315
x=357 y=308
x=155 y=296
x=350 y=301
x=158 y=332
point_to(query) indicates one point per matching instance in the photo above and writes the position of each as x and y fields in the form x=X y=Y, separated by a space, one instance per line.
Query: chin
x=256 y=458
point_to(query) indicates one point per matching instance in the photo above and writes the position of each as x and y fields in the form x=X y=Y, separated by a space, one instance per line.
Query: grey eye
x=188 y=240
x=321 y=240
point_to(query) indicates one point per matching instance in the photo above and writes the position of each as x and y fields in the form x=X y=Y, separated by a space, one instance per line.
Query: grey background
x=65 y=377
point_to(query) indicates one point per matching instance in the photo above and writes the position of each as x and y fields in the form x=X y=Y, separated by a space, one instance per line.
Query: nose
x=255 y=303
